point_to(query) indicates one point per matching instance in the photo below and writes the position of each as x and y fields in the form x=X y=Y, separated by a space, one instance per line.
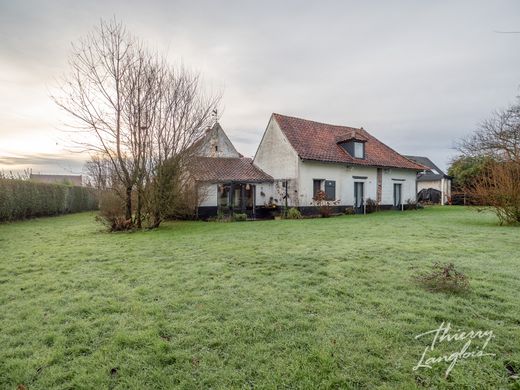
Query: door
x=359 y=194
x=397 y=195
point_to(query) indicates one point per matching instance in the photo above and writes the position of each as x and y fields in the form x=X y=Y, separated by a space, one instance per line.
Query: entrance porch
x=237 y=197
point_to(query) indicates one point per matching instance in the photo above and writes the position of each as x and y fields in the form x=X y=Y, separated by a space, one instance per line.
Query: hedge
x=20 y=199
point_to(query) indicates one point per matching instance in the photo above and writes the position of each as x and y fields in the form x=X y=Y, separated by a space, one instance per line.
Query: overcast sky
x=417 y=75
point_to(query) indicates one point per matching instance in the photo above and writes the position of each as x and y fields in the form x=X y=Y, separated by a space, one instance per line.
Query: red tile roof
x=319 y=141
x=224 y=169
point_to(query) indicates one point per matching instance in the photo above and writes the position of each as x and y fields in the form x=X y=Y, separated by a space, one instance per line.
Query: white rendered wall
x=217 y=144
x=275 y=155
x=208 y=195
x=341 y=174
x=407 y=186
x=345 y=177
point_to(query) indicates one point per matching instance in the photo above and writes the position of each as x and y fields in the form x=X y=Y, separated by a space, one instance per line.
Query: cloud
x=417 y=75
x=43 y=163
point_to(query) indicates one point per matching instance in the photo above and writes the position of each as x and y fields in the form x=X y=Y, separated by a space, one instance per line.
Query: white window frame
x=359 y=148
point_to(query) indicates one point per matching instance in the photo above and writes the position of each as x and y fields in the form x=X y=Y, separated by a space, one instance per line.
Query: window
x=317 y=185
x=330 y=190
x=359 y=151
x=355 y=148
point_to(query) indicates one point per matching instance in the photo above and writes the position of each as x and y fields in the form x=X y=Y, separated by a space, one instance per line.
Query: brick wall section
x=379 y=184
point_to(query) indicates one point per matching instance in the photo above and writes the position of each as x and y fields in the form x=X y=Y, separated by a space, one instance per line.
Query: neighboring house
x=348 y=164
x=432 y=178
x=74 y=180
x=226 y=180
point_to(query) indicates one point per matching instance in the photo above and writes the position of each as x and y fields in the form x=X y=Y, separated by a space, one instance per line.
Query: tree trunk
x=128 y=213
x=138 y=209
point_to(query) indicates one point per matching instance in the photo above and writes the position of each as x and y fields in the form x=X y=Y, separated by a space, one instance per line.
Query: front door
x=359 y=194
x=397 y=195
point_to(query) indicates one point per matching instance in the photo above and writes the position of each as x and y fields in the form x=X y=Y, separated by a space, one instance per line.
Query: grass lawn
x=308 y=304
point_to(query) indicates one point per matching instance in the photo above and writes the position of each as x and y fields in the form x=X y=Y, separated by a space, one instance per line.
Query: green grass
x=321 y=303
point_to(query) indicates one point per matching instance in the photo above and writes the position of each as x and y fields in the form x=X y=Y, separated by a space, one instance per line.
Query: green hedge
x=20 y=199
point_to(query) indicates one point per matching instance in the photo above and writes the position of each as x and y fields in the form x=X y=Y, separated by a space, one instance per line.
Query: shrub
x=371 y=206
x=350 y=211
x=499 y=187
x=444 y=277
x=324 y=205
x=293 y=213
x=411 y=205
x=20 y=199
x=217 y=218
x=239 y=217
x=112 y=212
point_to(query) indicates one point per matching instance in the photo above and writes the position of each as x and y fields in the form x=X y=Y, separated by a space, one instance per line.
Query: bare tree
x=94 y=94
x=494 y=152
x=99 y=173
x=180 y=119
x=497 y=137
x=140 y=114
x=25 y=175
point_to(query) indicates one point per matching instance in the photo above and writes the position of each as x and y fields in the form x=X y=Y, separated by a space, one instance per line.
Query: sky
x=417 y=75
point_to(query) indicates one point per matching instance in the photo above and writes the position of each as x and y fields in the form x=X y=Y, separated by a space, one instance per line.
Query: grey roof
x=434 y=174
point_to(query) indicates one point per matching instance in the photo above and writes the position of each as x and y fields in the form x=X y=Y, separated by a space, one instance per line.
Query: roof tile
x=222 y=169
x=319 y=141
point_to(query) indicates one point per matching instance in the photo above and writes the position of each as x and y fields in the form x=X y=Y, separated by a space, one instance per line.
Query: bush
x=239 y=217
x=350 y=211
x=293 y=213
x=499 y=187
x=444 y=277
x=324 y=205
x=371 y=206
x=112 y=212
x=412 y=205
x=20 y=199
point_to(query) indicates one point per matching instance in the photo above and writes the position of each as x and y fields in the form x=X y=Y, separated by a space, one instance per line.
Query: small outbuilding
x=227 y=182
x=433 y=178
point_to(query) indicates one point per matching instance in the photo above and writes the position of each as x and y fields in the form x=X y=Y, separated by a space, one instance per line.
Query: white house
x=349 y=164
x=297 y=158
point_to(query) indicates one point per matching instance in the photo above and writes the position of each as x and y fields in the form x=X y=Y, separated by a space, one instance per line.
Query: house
x=295 y=160
x=75 y=180
x=350 y=165
x=432 y=178
x=226 y=180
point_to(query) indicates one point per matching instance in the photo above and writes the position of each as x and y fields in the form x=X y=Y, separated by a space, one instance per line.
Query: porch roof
x=227 y=169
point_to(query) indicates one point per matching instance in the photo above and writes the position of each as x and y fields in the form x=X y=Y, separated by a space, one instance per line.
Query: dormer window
x=353 y=143
x=359 y=149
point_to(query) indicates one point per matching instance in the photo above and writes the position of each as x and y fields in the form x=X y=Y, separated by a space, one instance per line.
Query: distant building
x=74 y=180
x=433 y=178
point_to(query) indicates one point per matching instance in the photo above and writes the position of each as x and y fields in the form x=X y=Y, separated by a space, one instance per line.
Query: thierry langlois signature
x=467 y=351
